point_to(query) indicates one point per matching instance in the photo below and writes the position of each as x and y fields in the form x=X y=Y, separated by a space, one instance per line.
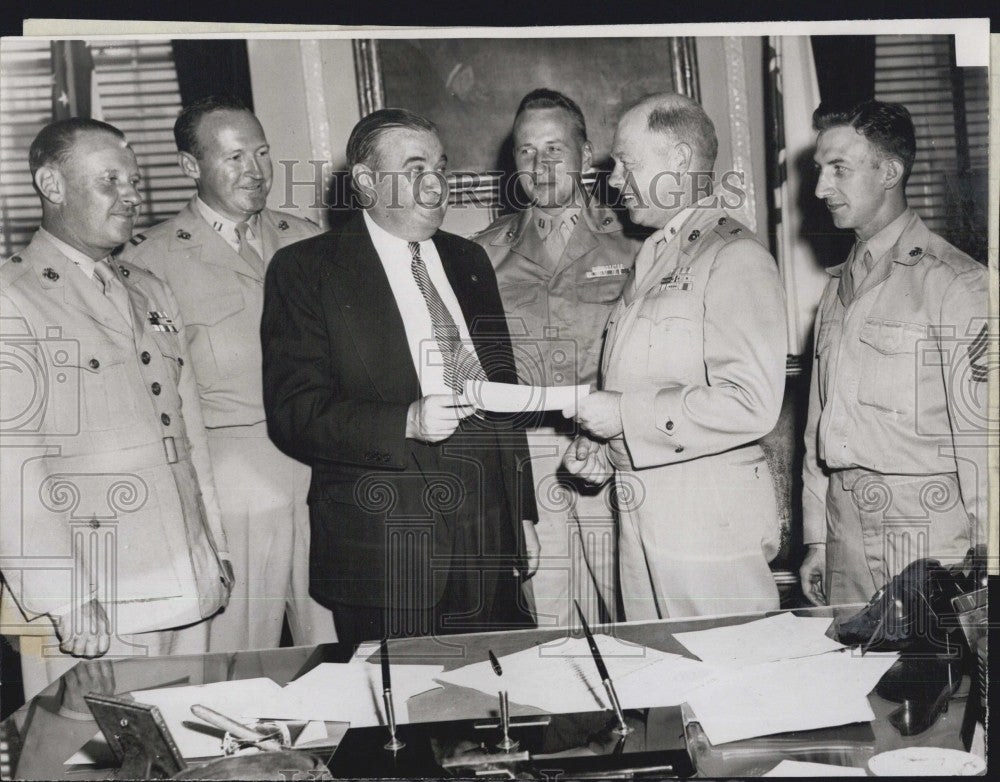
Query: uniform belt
x=848 y=477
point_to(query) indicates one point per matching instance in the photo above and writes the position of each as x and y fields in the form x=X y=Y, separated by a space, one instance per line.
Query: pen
x=386 y=677
x=495 y=663
x=235 y=729
x=390 y=712
x=602 y=671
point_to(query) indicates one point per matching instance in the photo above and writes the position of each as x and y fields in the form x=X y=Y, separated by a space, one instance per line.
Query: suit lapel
x=369 y=309
x=470 y=291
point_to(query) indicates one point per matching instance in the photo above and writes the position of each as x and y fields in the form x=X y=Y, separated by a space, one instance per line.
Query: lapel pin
x=50 y=274
x=915 y=252
x=182 y=234
x=694 y=235
x=283 y=225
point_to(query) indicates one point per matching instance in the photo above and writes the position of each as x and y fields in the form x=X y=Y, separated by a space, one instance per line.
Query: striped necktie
x=460 y=364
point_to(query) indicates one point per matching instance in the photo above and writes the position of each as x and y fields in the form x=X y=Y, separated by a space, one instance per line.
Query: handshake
x=435 y=417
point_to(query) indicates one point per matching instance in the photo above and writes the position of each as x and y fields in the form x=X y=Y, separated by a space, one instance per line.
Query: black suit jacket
x=338 y=381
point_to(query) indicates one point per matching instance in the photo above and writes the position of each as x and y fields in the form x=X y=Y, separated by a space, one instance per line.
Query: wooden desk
x=44 y=733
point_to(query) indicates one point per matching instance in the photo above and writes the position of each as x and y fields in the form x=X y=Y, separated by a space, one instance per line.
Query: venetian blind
x=949 y=111
x=138 y=93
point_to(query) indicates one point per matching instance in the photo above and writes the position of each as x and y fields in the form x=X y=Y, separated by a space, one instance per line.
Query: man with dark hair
x=419 y=512
x=895 y=466
x=214 y=254
x=693 y=374
x=561 y=265
x=110 y=535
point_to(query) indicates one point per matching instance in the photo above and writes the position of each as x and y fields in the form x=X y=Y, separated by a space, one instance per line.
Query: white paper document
x=780 y=637
x=510 y=398
x=241 y=700
x=350 y=692
x=559 y=676
x=800 y=768
x=807 y=693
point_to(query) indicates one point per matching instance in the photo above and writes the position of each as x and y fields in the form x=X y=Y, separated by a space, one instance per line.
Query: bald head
x=679 y=119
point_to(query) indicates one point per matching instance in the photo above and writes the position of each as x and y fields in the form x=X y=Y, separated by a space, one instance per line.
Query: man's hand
x=85 y=632
x=85 y=678
x=532 y=547
x=586 y=458
x=600 y=414
x=435 y=417
x=813 y=574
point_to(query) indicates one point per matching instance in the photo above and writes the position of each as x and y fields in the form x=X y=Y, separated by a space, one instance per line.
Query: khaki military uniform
x=556 y=309
x=697 y=347
x=106 y=480
x=262 y=491
x=897 y=414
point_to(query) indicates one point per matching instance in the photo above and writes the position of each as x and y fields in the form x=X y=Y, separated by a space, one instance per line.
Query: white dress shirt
x=396 y=260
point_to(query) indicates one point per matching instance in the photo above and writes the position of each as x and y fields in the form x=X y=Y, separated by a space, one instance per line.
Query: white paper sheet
x=559 y=676
x=350 y=692
x=510 y=398
x=780 y=637
x=802 y=694
x=665 y=683
x=800 y=768
x=239 y=699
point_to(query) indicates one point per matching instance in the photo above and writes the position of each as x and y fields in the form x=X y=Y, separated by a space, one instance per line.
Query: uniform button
x=678 y=449
x=166 y=419
x=155 y=388
x=144 y=356
x=669 y=425
x=94 y=363
x=180 y=362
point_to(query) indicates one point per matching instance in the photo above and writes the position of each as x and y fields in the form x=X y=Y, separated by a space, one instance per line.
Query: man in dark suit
x=368 y=334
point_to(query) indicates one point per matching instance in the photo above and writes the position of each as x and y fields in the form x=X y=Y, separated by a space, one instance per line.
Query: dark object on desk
x=916 y=607
x=138 y=737
x=578 y=745
x=281 y=765
x=918 y=613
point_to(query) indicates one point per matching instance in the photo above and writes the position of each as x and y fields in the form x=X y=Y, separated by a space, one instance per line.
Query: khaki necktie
x=113 y=289
x=862 y=264
x=460 y=364
x=558 y=238
x=247 y=251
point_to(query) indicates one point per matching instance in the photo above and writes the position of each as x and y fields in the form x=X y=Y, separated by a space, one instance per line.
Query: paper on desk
x=350 y=692
x=780 y=637
x=800 y=768
x=510 y=398
x=559 y=676
x=240 y=699
x=665 y=683
x=807 y=693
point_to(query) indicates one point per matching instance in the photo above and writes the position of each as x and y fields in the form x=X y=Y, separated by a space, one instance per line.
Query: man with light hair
x=693 y=373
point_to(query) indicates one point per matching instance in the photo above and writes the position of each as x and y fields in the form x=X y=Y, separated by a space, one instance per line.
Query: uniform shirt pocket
x=600 y=290
x=205 y=320
x=104 y=401
x=526 y=306
x=888 y=365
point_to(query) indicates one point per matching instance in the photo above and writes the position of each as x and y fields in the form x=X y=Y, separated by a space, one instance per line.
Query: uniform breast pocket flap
x=210 y=310
x=520 y=295
x=601 y=290
x=888 y=366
